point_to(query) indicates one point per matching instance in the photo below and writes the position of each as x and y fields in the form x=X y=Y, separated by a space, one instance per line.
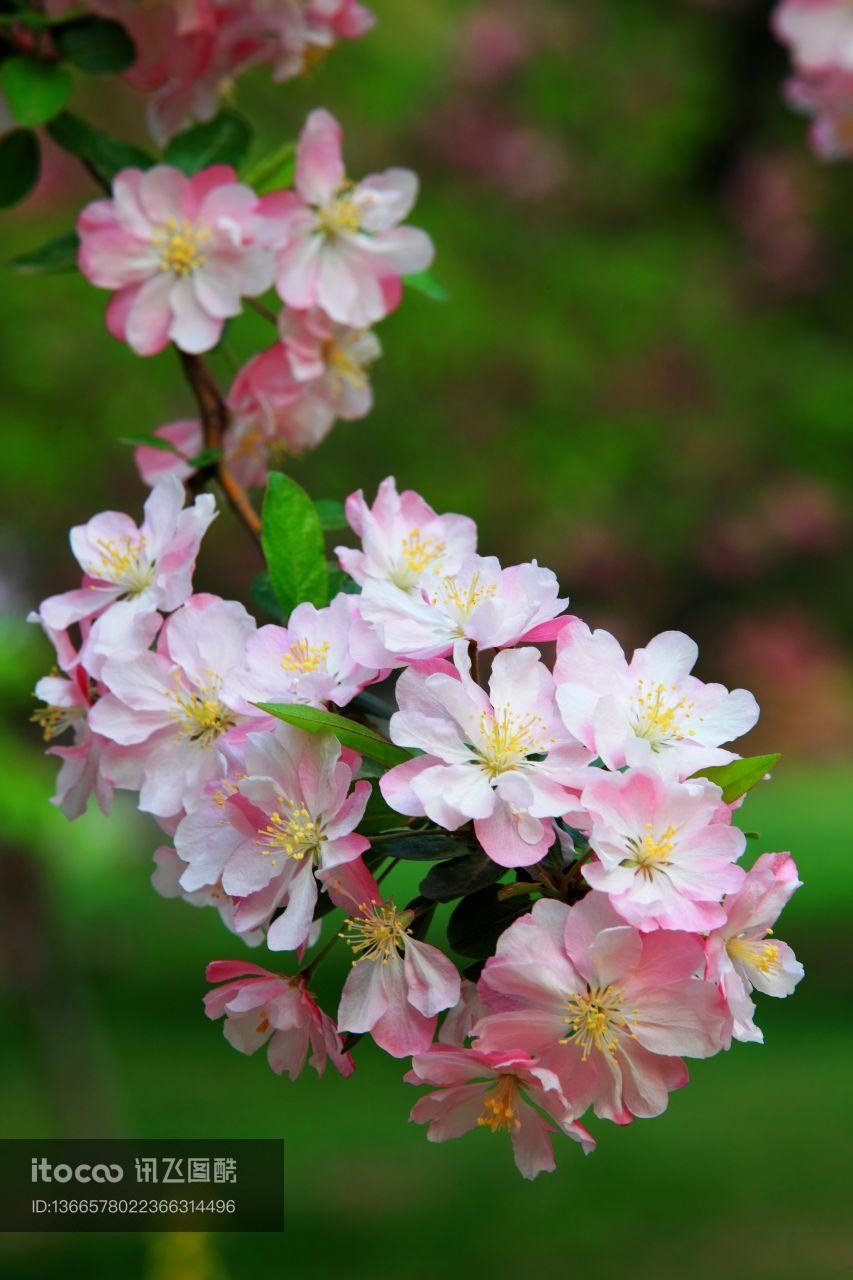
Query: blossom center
x=659 y=717
x=417 y=554
x=379 y=933
x=180 y=243
x=499 y=1106
x=55 y=720
x=462 y=597
x=754 y=953
x=124 y=563
x=291 y=830
x=341 y=214
x=595 y=1020
x=343 y=365
x=200 y=715
x=506 y=740
x=651 y=851
x=305 y=657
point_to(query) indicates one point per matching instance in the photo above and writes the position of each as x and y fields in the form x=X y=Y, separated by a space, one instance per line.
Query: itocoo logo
x=43 y=1171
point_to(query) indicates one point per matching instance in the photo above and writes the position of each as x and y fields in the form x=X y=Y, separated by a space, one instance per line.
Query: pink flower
x=329 y=361
x=172 y=709
x=306 y=31
x=742 y=955
x=502 y=758
x=503 y=1092
x=151 y=565
x=663 y=855
x=179 y=252
x=397 y=985
x=819 y=33
x=458 y=1023
x=166 y=880
x=481 y=602
x=261 y=1007
x=308 y=661
x=650 y=711
x=402 y=538
x=609 y=1010
x=829 y=99
x=264 y=836
x=153 y=464
x=67 y=701
x=341 y=246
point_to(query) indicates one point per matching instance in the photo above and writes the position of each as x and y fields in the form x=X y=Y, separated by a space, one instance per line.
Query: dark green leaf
x=423 y=846
x=423 y=282
x=461 y=876
x=331 y=513
x=96 y=45
x=106 y=155
x=479 y=920
x=204 y=458
x=264 y=596
x=347 y=732
x=57 y=255
x=293 y=544
x=274 y=171
x=739 y=776
x=19 y=166
x=151 y=442
x=35 y=91
x=372 y=705
x=223 y=140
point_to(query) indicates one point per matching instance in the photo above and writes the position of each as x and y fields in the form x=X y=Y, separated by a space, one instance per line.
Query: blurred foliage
x=643 y=379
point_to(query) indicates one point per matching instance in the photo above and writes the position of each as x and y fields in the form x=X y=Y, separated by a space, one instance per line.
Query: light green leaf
x=739 y=776
x=272 y=172
x=293 y=544
x=53 y=257
x=348 y=732
x=35 y=91
x=331 y=513
x=425 y=283
x=151 y=442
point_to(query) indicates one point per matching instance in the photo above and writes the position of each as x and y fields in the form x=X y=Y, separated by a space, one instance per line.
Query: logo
x=43 y=1171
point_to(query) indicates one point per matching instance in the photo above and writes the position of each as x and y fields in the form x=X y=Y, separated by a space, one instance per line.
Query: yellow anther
x=292 y=831
x=180 y=244
x=379 y=933
x=651 y=851
x=200 y=715
x=499 y=1106
x=755 y=953
x=124 y=563
x=305 y=657
x=505 y=740
x=596 y=1019
x=659 y=717
x=342 y=213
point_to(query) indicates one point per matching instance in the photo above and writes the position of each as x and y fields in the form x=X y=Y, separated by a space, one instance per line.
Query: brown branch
x=262 y=310
x=214 y=418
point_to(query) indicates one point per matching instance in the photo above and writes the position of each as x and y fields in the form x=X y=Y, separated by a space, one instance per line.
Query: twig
x=262 y=310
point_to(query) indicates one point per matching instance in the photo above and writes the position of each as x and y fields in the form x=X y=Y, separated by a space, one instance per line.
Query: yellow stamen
x=379 y=933
x=651 y=851
x=340 y=214
x=499 y=1106
x=55 y=720
x=506 y=741
x=124 y=563
x=342 y=364
x=200 y=715
x=180 y=244
x=755 y=953
x=596 y=1019
x=463 y=597
x=305 y=657
x=293 y=832
x=659 y=717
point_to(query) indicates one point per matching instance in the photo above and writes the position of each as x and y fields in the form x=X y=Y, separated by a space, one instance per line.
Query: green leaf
x=293 y=544
x=151 y=442
x=479 y=920
x=460 y=877
x=424 y=846
x=96 y=45
x=264 y=596
x=204 y=458
x=348 y=732
x=19 y=166
x=331 y=513
x=106 y=155
x=423 y=282
x=59 y=254
x=272 y=172
x=739 y=776
x=223 y=140
x=35 y=91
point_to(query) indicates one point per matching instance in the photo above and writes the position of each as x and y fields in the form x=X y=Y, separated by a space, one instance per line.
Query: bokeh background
x=643 y=378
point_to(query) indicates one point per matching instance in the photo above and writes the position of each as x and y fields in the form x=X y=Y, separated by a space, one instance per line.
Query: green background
x=642 y=379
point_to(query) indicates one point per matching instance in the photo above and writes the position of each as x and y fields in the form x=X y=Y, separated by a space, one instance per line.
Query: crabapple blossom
x=503 y=1092
x=829 y=100
x=458 y=1023
x=649 y=711
x=608 y=1009
x=481 y=602
x=402 y=538
x=150 y=565
x=179 y=253
x=264 y=1008
x=397 y=985
x=170 y=709
x=819 y=35
x=742 y=955
x=502 y=758
x=330 y=362
x=67 y=701
x=340 y=245
x=268 y=835
x=187 y=439
x=664 y=851
x=308 y=661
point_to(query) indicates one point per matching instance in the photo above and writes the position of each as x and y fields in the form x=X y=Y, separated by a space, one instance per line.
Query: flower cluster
x=180 y=254
x=579 y=812
x=190 y=51
x=819 y=35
